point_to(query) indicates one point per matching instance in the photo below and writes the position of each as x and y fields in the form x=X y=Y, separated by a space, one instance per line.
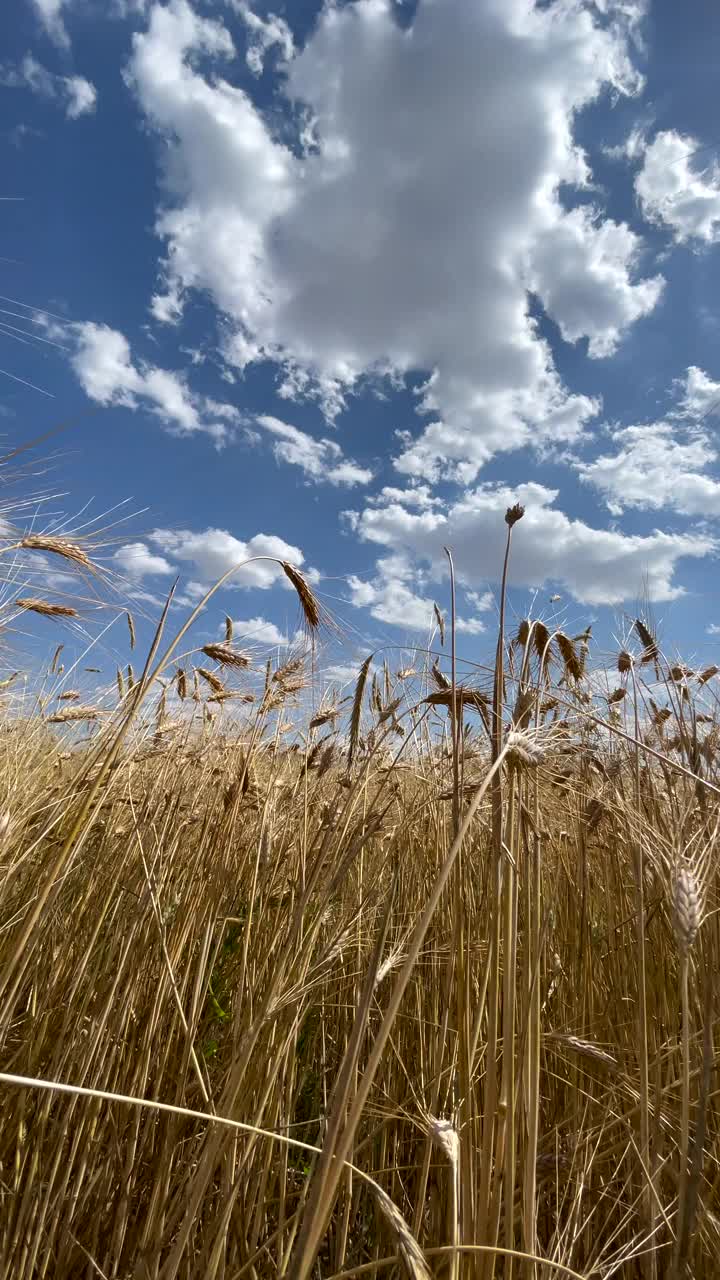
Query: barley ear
x=357 y=708
x=513 y=514
x=74 y=713
x=225 y=655
x=440 y=623
x=308 y=602
x=46 y=608
x=651 y=653
x=687 y=907
x=210 y=678
x=445 y=1136
x=405 y=1242
x=523 y=633
x=57 y=546
x=541 y=639
x=571 y=661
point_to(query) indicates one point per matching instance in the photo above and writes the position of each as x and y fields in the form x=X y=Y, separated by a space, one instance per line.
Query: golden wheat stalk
x=650 y=653
x=312 y=611
x=391 y=961
x=572 y=662
x=405 y=1242
x=74 y=713
x=56 y=546
x=324 y=717
x=586 y=1048
x=687 y=905
x=355 y=715
x=225 y=655
x=210 y=678
x=46 y=608
x=445 y=1136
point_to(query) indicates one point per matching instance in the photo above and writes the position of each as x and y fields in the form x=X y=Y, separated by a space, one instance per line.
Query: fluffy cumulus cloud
x=652 y=468
x=678 y=189
x=405 y=225
x=597 y=566
x=75 y=94
x=81 y=96
x=391 y=598
x=581 y=272
x=318 y=459
x=261 y=631
x=137 y=561
x=212 y=552
x=700 y=395
x=666 y=463
x=103 y=362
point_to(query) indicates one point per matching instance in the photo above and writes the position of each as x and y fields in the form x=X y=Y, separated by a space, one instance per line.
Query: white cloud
x=678 y=191
x=341 y=673
x=103 y=363
x=701 y=397
x=653 y=468
x=319 y=459
x=581 y=271
x=130 y=8
x=480 y=602
x=391 y=599
x=136 y=561
x=598 y=566
x=76 y=94
x=422 y=208
x=416 y=496
x=229 y=176
x=713 y=629
x=260 y=631
x=50 y=14
x=263 y=34
x=82 y=96
x=214 y=551
x=469 y=626
x=663 y=464
x=631 y=149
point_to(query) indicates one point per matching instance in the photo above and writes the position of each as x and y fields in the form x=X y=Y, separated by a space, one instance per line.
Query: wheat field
x=420 y=980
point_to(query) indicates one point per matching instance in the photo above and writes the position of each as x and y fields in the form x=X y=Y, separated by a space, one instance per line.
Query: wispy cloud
x=75 y=94
x=321 y=460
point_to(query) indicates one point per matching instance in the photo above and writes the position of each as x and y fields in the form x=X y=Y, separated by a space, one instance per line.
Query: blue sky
x=339 y=283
